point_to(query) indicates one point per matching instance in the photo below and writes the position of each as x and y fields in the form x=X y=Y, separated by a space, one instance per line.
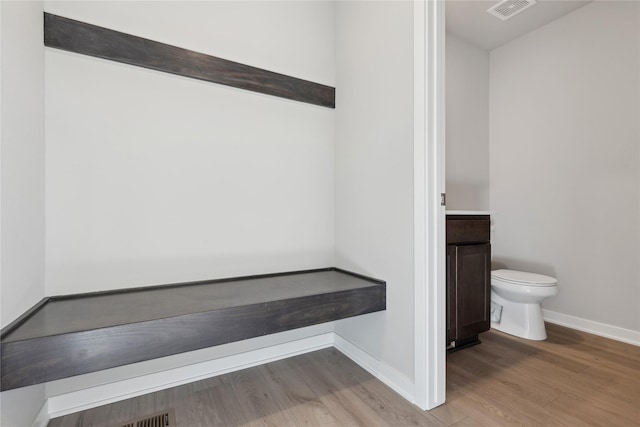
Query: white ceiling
x=469 y=20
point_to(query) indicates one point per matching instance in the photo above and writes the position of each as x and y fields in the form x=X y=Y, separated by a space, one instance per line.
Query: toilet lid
x=531 y=279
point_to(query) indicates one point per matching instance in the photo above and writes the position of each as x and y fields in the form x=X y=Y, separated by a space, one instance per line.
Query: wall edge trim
x=104 y=394
x=596 y=328
x=43 y=418
x=397 y=381
x=80 y=400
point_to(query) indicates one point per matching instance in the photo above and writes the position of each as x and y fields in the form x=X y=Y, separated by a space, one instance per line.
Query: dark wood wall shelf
x=79 y=37
x=76 y=334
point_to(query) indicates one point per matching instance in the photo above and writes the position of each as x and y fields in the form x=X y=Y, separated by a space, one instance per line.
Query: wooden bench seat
x=76 y=334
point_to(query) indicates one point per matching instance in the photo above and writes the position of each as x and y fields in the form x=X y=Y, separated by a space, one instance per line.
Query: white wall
x=23 y=152
x=565 y=160
x=467 y=125
x=154 y=178
x=374 y=169
x=22 y=181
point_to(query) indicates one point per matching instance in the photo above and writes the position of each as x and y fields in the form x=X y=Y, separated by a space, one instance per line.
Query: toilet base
x=520 y=319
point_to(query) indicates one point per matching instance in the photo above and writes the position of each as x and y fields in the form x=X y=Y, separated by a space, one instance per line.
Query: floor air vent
x=508 y=8
x=162 y=419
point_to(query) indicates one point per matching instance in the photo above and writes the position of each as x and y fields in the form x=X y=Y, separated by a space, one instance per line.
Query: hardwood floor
x=572 y=379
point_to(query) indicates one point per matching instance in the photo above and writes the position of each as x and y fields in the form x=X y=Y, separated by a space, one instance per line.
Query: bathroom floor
x=571 y=379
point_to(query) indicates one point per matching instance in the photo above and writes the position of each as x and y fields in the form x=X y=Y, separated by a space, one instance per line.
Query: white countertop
x=469 y=212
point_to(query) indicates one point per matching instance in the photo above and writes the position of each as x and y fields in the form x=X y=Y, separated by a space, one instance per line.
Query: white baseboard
x=397 y=381
x=42 y=419
x=81 y=400
x=602 y=329
x=64 y=404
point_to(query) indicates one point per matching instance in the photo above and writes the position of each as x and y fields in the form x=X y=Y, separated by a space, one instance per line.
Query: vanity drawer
x=468 y=229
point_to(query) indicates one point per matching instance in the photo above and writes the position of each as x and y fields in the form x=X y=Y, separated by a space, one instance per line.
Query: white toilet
x=515 y=302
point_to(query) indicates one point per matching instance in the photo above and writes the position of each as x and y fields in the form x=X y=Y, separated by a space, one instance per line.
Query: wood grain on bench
x=76 y=334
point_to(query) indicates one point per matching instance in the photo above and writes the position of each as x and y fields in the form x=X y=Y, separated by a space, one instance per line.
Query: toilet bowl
x=515 y=302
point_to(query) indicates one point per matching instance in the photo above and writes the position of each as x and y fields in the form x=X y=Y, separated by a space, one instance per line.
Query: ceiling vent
x=508 y=8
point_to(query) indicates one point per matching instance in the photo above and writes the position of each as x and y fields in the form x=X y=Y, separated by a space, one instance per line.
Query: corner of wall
x=22 y=186
x=394 y=379
x=24 y=407
x=42 y=419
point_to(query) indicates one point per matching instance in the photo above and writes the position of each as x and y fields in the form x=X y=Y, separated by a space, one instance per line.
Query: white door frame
x=429 y=215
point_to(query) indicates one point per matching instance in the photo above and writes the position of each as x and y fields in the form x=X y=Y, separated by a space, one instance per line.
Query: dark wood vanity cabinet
x=468 y=279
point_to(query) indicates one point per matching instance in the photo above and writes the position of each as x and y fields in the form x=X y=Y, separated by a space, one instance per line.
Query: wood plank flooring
x=572 y=379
